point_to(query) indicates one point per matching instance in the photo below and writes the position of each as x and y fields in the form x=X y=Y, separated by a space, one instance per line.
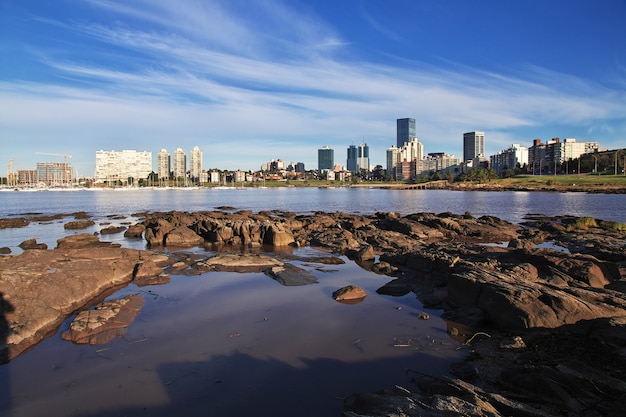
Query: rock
x=45 y=286
x=84 y=240
x=79 y=224
x=5 y=250
x=110 y=230
x=290 y=275
x=13 y=223
x=147 y=269
x=397 y=287
x=104 y=322
x=276 y=236
x=349 y=293
x=239 y=263
x=365 y=254
x=135 y=231
x=521 y=244
x=464 y=370
x=423 y=316
x=182 y=237
x=32 y=244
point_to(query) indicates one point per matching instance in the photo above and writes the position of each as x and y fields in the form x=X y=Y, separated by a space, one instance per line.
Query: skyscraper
x=325 y=158
x=363 y=157
x=180 y=164
x=473 y=145
x=351 y=163
x=405 y=130
x=163 y=164
x=195 y=163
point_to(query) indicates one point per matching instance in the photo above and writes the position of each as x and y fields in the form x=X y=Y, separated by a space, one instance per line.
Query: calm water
x=227 y=344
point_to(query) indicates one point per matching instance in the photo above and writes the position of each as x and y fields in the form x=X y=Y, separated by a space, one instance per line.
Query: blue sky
x=250 y=81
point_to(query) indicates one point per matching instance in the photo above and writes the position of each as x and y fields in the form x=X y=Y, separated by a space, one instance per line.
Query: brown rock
x=79 y=224
x=182 y=236
x=349 y=293
x=32 y=244
x=104 y=322
x=83 y=240
x=135 y=231
x=110 y=230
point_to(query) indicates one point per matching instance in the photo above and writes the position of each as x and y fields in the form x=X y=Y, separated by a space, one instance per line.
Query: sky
x=250 y=81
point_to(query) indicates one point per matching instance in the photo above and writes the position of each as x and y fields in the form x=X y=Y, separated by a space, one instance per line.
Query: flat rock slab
x=234 y=262
x=350 y=294
x=39 y=289
x=290 y=275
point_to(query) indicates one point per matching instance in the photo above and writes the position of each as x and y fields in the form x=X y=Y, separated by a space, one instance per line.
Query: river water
x=228 y=344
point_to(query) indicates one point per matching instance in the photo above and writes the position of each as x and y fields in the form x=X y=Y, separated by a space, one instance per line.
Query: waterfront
x=238 y=344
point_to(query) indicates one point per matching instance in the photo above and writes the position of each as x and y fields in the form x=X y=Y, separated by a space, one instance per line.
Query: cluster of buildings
x=406 y=159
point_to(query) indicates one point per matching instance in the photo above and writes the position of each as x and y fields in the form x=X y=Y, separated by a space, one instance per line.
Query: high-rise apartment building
x=325 y=159
x=515 y=156
x=405 y=131
x=113 y=166
x=473 y=145
x=195 y=163
x=54 y=173
x=180 y=164
x=163 y=164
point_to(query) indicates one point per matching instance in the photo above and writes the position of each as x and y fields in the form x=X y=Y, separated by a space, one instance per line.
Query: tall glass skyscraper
x=363 y=157
x=351 y=163
x=405 y=130
x=473 y=145
x=325 y=158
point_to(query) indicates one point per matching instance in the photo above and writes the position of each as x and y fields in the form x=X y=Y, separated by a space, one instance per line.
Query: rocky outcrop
x=32 y=244
x=78 y=224
x=41 y=288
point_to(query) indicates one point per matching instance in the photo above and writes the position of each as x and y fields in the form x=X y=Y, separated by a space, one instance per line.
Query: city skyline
x=252 y=82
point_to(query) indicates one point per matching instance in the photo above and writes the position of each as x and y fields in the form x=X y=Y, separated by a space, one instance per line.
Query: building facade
x=363 y=157
x=351 y=162
x=195 y=163
x=180 y=164
x=325 y=159
x=547 y=157
x=405 y=131
x=473 y=146
x=123 y=166
x=164 y=165
x=514 y=157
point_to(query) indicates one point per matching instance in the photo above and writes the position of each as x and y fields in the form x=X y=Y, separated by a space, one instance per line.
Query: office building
x=180 y=164
x=122 y=166
x=351 y=162
x=363 y=157
x=195 y=163
x=164 y=165
x=473 y=146
x=405 y=131
x=325 y=159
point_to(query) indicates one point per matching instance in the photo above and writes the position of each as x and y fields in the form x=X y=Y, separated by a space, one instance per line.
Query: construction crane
x=65 y=156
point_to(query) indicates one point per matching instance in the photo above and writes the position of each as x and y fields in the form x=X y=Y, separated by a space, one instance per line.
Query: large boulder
x=182 y=236
x=276 y=235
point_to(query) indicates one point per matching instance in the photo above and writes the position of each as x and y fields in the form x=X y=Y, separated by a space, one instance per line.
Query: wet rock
x=45 y=286
x=182 y=237
x=5 y=250
x=13 y=223
x=32 y=244
x=397 y=288
x=135 y=231
x=290 y=275
x=78 y=225
x=104 y=322
x=84 y=240
x=110 y=230
x=277 y=236
x=233 y=262
x=349 y=293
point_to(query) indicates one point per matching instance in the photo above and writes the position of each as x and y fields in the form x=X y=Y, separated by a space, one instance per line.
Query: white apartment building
x=402 y=162
x=122 y=165
x=180 y=164
x=195 y=163
x=438 y=162
x=511 y=158
x=164 y=166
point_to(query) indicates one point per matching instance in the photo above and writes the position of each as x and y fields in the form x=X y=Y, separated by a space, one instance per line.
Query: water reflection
x=237 y=344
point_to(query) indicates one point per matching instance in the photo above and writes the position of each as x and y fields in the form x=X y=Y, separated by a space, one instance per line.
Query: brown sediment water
x=230 y=344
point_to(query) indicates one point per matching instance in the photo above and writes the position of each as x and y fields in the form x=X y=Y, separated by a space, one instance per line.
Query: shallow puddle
x=230 y=344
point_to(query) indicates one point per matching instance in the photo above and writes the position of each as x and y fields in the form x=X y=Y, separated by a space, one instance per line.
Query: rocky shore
x=542 y=306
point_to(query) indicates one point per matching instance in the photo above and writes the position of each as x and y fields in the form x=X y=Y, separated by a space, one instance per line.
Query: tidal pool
x=231 y=344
